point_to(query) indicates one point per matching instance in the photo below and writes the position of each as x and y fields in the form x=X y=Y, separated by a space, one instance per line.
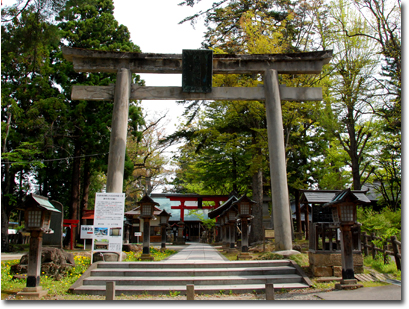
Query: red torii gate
x=71 y=223
x=182 y=198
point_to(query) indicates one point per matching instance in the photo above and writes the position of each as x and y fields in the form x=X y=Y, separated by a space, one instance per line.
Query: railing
x=324 y=237
x=369 y=244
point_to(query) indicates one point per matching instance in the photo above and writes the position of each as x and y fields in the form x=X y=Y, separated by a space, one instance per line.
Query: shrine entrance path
x=196 y=252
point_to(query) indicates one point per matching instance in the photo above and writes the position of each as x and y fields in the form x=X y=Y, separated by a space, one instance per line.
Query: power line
x=60 y=159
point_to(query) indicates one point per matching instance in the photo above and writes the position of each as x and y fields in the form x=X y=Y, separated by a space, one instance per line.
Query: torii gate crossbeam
x=124 y=64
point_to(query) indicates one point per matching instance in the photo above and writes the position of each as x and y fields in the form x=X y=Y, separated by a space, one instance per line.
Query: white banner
x=109 y=222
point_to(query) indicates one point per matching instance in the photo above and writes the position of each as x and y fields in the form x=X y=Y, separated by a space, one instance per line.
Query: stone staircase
x=208 y=277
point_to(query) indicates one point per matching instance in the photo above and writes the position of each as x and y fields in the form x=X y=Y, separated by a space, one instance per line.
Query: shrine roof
x=40 y=201
x=325 y=196
x=218 y=211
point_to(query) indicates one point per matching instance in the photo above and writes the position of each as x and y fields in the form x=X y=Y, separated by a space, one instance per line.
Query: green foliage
x=385 y=223
x=207 y=222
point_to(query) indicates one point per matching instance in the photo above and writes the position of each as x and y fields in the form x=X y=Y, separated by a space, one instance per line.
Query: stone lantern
x=244 y=205
x=164 y=222
x=147 y=207
x=343 y=207
x=37 y=221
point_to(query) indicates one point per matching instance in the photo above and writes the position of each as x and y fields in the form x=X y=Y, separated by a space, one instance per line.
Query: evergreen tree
x=91 y=24
x=33 y=111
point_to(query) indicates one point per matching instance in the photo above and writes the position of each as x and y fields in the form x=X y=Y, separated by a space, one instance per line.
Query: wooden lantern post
x=231 y=216
x=37 y=221
x=164 y=222
x=180 y=240
x=147 y=206
x=244 y=205
x=343 y=207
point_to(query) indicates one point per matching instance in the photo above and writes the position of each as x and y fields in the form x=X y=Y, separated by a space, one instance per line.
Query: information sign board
x=108 y=222
x=87 y=232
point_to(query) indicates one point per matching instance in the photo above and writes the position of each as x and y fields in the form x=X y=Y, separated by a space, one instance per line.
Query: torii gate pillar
x=278 y=170
x=117 y=146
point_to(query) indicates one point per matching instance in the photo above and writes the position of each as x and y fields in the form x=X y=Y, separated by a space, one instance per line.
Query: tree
x=148 y=162
x=384 y=27
x=91 y=24
x=351 y=91
x=59 y=145
x=46 y=7
x=33 y=111
x=387 y=176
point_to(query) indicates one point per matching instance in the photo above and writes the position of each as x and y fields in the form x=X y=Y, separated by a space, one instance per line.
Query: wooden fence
x=390 y=243
x=18 y=239
x=324 y=237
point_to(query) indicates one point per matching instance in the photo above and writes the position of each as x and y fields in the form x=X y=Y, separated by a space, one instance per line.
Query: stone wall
x=329 y=264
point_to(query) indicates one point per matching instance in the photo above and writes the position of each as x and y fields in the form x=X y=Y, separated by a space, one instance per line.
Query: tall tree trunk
x=256 y=233
x=85 y=188
x=5 y=189
x=75 y=189
x=234 y=171
x=353 y=152
x=4 y=225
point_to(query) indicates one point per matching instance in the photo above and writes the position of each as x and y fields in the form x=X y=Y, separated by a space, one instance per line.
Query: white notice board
x=108 y=222
x=87 y=232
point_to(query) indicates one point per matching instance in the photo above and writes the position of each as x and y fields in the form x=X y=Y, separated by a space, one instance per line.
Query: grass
x=379 y=266
x=58 y=288
x=174 y=293
x=331 y=285
x=157 y=254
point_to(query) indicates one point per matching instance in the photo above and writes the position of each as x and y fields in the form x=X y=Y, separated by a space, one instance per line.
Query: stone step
x=206 y=289
x=172 y=272
x=199 y=264
x=207 y=276
x=197 y=280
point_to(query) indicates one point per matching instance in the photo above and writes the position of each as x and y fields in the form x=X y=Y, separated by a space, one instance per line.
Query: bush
x=384 y=224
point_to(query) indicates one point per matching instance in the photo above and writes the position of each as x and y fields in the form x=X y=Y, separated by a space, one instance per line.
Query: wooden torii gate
x=124 y=64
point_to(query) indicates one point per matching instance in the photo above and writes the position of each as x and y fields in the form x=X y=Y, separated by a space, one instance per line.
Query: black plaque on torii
x=197 y=70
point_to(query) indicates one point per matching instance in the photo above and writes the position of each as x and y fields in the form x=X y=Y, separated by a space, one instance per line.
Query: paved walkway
x=387 y=292
x=11 y=256
x=197 y=252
